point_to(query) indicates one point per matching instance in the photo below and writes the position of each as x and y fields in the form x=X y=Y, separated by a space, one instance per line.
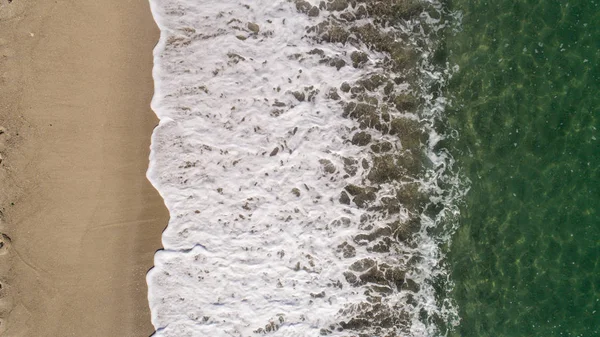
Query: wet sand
x=80 y=221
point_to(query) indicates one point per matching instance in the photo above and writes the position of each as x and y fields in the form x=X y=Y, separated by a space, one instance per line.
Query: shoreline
x=82 y=222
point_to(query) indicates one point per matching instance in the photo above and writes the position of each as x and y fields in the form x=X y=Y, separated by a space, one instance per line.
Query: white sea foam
x=252 y=177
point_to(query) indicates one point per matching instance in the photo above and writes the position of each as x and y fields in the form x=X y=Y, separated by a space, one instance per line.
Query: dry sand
x=83 y=221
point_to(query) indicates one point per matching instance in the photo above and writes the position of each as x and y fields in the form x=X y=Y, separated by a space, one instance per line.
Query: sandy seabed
x=80 y=222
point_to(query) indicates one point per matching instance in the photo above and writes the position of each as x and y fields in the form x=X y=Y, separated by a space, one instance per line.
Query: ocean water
x=298 y=155
x=377 y=168
x=525 y=260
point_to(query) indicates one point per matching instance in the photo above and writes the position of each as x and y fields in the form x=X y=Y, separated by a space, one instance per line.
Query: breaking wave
x=301 y=155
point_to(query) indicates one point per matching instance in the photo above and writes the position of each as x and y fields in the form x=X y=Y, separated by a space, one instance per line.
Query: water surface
x=526 y=259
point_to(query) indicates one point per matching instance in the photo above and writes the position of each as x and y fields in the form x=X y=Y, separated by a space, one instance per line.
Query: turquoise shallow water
x=526 y=104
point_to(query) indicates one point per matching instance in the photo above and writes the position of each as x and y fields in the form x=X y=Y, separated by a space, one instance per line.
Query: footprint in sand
x=10 y=309
x=6 y=300
x=3 y=140
x=3 y=323
x=4 y=291
x=4 y=244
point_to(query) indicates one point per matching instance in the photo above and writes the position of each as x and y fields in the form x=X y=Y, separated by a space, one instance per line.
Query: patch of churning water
x=300 y=155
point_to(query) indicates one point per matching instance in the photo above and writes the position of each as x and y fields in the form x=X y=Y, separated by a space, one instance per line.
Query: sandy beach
x=80 y=221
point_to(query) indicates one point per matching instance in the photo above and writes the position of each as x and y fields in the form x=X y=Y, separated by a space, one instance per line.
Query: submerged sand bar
x=83 y=221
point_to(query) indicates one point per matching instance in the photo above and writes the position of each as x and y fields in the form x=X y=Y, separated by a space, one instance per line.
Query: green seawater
x=525 y=260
